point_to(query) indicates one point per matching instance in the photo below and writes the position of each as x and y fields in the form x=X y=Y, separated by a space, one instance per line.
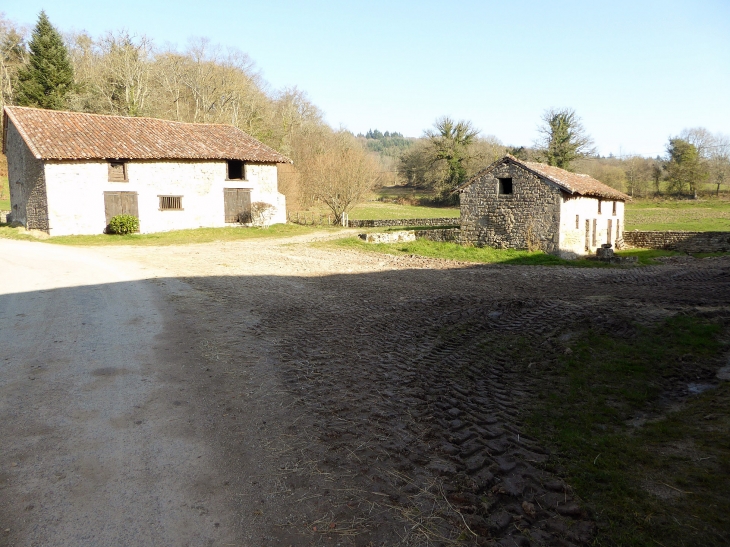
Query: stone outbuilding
x=70 y=173
x=514 y=204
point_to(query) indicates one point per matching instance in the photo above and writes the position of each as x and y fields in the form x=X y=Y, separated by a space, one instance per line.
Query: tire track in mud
x=406 y=398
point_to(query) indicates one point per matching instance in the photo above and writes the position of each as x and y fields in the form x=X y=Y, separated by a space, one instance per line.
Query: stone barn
x=515 y=204
x=70 y=173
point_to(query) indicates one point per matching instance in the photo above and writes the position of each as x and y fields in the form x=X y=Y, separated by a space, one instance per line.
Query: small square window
x=118 y=171
x=505 y=185
x=170 y=203
x=236 y=170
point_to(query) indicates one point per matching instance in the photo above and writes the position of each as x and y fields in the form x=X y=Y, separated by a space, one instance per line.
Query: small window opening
x=170 y=203
x=236 y=170
x=599 y=206
x=117 y=171
x=577 y=222
x=505 y=185
x=614 y=208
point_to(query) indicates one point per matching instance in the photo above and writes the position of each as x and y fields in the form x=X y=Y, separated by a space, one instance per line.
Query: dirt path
x=352 y=399
x=99 y=442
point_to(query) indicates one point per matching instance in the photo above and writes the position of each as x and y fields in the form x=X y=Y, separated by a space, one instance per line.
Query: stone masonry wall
x=688 y=242
x=403 y=222
x=528 y=217
x=443 y=235
x=26 y=178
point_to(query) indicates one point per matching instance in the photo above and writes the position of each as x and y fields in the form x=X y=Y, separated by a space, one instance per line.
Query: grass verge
x=453 y=251
x=176 y=237
x=664 y=480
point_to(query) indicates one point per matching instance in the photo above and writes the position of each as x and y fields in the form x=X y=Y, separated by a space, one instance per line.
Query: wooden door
x=120 y=203
x=609 y=231
x=588 y=235
x=237 y=205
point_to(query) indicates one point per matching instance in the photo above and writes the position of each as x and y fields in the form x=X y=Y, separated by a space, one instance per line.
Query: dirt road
x=326 y=397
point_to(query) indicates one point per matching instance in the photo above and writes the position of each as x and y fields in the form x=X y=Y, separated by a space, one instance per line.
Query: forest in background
x=121 y=73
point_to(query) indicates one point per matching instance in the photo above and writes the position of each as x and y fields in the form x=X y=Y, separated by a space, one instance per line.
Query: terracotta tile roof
x=573 y=183
x=52 y=134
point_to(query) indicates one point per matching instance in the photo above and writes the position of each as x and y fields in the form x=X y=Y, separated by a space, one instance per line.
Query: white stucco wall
x=573 y=240
x=76 y=193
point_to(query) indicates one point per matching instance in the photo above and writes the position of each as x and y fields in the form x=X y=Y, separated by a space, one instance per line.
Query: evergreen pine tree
x=47 y=79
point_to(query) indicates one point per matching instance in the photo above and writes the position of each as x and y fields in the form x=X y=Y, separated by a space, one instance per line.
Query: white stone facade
x=585 y=225
x=75 y=193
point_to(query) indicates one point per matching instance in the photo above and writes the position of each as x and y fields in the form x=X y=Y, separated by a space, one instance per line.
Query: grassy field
x=4 y=194
x=650 y=474
x=452 y=251
x=177 y=237
x=690 y=215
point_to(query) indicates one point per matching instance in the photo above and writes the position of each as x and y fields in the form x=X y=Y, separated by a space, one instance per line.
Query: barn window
x=614 y=208
x=505 y=185
x=170 y=203
x=577 y=222
x=236 y=170
x=599 y=206
x=118 y=171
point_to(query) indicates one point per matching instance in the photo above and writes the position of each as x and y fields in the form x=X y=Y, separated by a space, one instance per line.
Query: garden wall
x=443 y=235
x=384 y=223
x=687 y=242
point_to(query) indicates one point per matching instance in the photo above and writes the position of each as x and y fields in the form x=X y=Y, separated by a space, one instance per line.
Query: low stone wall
x=4 y=216
x=399 y=236
x=384 y=223
x=443 y=235
x=687 y=242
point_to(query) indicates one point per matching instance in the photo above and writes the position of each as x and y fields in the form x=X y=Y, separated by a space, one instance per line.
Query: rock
x=724 y=373
x=400 y=236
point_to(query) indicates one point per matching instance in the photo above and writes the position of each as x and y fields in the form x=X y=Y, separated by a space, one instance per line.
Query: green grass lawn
x=177 y=237
x=4 y=194
x=376 y=210
x=690 y=215
x=665 y=481
x=453 y=251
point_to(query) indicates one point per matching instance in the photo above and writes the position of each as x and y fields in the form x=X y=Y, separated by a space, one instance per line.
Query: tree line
x=124 y=74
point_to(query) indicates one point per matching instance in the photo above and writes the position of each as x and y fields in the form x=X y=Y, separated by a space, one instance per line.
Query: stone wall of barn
x=28 y=199
x=586 y=223
x=76 y=193
x=529 y=217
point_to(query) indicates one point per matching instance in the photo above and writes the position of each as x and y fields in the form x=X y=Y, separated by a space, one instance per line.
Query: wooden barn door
x=120 y=203
x=609 y=231
x=237 y=205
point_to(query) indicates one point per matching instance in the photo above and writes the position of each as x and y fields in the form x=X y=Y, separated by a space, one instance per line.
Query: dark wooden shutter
x=120 y=203
x=609 y=231
x=237 y=205
x=117 y=171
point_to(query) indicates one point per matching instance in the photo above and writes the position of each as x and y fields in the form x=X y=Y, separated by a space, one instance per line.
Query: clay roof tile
x=53 y=134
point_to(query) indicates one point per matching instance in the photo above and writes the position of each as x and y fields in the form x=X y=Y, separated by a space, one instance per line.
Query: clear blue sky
x=636 y=71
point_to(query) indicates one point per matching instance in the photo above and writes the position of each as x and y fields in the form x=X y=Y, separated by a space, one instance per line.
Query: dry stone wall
x=27 y=183
x=688 y=242
x=384 y=223
x=529 y=217
x=443 y=235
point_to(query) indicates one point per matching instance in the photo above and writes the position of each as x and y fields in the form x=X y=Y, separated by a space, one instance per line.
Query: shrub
x=123 y=224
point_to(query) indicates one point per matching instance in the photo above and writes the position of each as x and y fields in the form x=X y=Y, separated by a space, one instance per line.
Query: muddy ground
x=393 y=407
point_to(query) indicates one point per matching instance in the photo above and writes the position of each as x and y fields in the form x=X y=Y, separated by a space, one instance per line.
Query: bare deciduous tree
x=335 y=170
